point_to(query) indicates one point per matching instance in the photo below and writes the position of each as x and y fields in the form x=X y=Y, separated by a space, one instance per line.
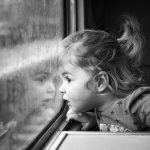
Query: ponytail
x=131 y=40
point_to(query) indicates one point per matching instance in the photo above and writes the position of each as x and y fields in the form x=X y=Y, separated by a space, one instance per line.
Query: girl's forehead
x=73 y=70
x=69 y=57
x=67 y=61
x=67 y=67
x=41 y=68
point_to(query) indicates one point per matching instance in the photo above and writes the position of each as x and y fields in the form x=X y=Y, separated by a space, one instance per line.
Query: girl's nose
x=51 y=88
x=62 y=89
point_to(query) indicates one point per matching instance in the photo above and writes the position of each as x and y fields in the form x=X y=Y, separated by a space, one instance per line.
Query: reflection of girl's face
x=40 y=90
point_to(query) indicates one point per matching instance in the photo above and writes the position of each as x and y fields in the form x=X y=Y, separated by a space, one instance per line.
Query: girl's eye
x=68 y=79
x=41 y=78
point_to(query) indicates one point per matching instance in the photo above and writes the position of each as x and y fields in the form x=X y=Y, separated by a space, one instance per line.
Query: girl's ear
x=102 y=82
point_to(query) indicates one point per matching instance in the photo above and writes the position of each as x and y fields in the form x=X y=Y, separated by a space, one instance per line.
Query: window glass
x=30 y=31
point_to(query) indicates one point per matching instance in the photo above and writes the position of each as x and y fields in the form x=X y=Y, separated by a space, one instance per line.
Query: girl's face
x=31 y=92
x=79 y=97
x=40 y=90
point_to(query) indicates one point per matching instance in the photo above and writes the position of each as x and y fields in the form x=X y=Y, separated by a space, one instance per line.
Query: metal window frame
x=74 y=16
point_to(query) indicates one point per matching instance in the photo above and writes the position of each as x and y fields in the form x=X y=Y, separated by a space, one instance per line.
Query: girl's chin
x=75 y=109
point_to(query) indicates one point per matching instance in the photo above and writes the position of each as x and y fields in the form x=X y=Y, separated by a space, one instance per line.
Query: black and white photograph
x=74 y=75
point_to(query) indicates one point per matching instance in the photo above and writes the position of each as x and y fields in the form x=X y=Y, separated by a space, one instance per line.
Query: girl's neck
x=106 y=101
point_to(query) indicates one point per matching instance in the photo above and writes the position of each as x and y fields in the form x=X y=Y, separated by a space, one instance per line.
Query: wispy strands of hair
x=131 y=40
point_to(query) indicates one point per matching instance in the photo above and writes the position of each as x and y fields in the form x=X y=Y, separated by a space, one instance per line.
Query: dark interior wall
x=105 y=15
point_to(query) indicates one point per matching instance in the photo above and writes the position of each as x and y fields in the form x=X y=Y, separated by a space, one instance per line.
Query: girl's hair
x=97 y=51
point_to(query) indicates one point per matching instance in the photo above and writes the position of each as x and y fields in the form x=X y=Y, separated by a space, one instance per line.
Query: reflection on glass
x=29 y=96
x=29 y=34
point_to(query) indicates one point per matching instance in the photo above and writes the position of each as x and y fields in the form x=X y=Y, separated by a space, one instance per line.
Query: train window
x=30 y=31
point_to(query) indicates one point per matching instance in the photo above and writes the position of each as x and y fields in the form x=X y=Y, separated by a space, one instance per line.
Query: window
x=30 y=31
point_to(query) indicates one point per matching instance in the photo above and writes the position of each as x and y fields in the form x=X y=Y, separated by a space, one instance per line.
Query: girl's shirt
x=128 y=114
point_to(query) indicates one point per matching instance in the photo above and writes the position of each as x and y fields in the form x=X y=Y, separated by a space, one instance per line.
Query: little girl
x=101 y=72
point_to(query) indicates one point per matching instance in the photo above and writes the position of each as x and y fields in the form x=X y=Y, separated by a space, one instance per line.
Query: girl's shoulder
x=138 y=97
x=145 y=90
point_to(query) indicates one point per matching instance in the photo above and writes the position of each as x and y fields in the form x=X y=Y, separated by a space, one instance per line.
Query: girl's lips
x=46 y=102
x=69 y=104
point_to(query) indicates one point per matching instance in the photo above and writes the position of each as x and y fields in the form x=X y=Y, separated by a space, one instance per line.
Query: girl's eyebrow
x=65 y=72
